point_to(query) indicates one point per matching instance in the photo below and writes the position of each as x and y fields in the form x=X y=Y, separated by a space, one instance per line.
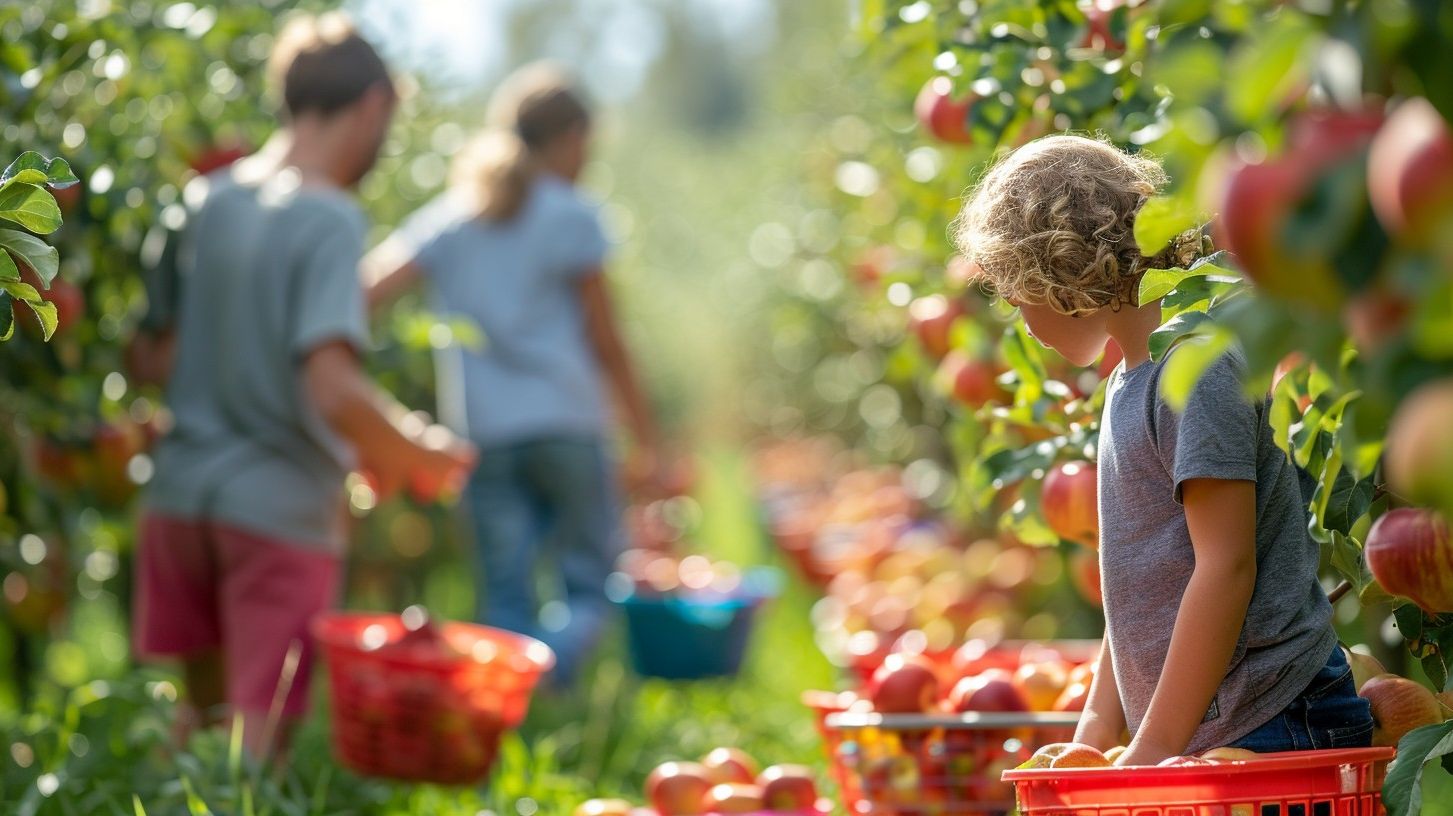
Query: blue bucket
x=681 y=637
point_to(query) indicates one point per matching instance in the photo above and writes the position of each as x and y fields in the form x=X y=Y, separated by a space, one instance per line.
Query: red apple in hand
x=730 y=765
x=788 y=788
x=678 y=788
x=940 y=114
x=904 y=684
x=1409 y=554
x=732 y=798
x=1068 y=499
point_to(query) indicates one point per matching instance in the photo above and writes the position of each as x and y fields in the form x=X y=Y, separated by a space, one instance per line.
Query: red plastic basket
x=431 y=719
x=1303 y=783
x=916 y=765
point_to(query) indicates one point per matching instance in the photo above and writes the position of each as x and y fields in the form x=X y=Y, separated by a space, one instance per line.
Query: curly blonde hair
x=1054 y=223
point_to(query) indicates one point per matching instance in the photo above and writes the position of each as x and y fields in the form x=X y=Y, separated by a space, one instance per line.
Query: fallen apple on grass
x=788 y=788
x=678 y=788
x=730 y=765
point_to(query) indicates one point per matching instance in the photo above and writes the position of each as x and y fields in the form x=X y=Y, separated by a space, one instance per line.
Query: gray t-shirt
x=1147 y=451
x=260 y=275
x=518 y=282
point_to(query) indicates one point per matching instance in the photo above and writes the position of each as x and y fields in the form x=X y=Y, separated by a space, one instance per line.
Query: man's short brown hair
x=320 y=64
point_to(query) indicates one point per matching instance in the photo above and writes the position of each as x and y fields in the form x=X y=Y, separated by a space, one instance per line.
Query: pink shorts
x=202 y=586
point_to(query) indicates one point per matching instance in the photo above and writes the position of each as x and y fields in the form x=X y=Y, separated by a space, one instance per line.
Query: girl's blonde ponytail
x=532 y=107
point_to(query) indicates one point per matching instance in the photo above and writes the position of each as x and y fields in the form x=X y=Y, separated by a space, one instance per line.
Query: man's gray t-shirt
x=1147 y=451
x=260 y=275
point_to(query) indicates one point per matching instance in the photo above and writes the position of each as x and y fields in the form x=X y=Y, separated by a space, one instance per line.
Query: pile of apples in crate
x=725 y=781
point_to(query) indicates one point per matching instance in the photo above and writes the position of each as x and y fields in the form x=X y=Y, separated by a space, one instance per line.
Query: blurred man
x=256 y=321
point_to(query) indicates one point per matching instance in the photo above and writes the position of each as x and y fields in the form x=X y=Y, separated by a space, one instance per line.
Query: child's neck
x=1131 y=328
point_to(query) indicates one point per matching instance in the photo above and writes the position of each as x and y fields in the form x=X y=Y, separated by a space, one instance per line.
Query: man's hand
x=443 y=465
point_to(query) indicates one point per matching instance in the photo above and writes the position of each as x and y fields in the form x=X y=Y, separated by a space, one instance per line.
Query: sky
x=459 y=44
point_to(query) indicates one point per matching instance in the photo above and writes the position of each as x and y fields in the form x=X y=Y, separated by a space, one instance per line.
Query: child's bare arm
x=1221 y=518
x=1104 y=718
x=388 y=272
x=610 y=350
x=428 y=460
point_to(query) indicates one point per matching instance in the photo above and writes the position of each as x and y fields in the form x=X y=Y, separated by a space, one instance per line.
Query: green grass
x=100 y=748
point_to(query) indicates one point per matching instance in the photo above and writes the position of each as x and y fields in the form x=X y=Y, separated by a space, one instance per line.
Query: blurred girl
x=515 y=248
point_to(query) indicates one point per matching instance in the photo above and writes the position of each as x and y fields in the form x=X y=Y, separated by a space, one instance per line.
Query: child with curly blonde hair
x=1217 y=632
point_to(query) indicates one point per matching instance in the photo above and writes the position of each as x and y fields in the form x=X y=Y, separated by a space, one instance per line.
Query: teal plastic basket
x=690 y=637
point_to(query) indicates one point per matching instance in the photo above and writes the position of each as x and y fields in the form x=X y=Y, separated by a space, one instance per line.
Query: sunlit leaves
x=31 y=207
x=37 y=254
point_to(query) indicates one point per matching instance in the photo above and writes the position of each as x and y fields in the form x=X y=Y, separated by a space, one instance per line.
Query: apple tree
x=1309 y=141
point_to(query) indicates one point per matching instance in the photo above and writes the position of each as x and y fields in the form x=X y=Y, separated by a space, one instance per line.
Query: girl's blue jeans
x=1329 y=714
x=546 y=509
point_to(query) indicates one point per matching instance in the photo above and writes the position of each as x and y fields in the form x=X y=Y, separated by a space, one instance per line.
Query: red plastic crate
x=941 y=764
x=431 y=720
x=1302 y=783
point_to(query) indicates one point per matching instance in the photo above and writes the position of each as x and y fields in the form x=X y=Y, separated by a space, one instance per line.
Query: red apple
x=788 y=788
x=730 y=765
x=678 y=788
x=932 y=318
x=216 y=157
x=1068 y=500
x=904 y=684
x=1097 y=26
x=1374 y=316
x=1419 y=456
x=1258 y=200
x=1410 y=169
x=978 y=655
x=942 y=116
x=1398 y=706
x=1085 y=575
x=114 y=444
x=1409 y=554
x=1041 y=683
x=972 y=381
x=990 y=690
x=1073 y=698
x=732 y=798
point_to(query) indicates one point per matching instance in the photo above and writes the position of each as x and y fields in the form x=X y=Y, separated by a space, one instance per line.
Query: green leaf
x=1176 y=328
x=1184 y=368
x=31 y=207
x=1157 y=283
x=1161 y=219
x=1349 y=500
x=1265 y=68
x=1346 y=558
x=32 y=168
x=43 y=309
x=7 y=317
x=1409 y=622
x=1402 y=791
x=39 y=255
x=8 y=269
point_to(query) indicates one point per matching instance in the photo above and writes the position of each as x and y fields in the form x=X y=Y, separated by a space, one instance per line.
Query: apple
x=990 y=690
x=1115 y=753
x=1068 y=499
x=732 y=797
x=978 y=655
x=904 y=684
x=971 y=380
x=730 y=765
x=1374 y=316
x=68 y=198
x=1041 y=683
x=216 y=157
x=1085 y=574
x=678 y=788
x=1410 y=170
x=1079 y=755
x=788 y=788
x=1097 y=26
x=1257 y=201
x=603 y=807
x=1409 y=554
x=1364 y=667
x=1073 y=698
x=1419 y=457
x=942 y=116
x=1228 y=754
x=932 y=319
x=113 y=446
x=1398 y=706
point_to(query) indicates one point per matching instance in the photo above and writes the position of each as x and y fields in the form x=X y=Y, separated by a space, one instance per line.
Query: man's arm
x=396 y=448
x=1221 y=517
x=388 y=271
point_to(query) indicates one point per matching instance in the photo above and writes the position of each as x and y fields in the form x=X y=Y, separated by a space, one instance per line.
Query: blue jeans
x=550 y=501
x=1329 y=714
